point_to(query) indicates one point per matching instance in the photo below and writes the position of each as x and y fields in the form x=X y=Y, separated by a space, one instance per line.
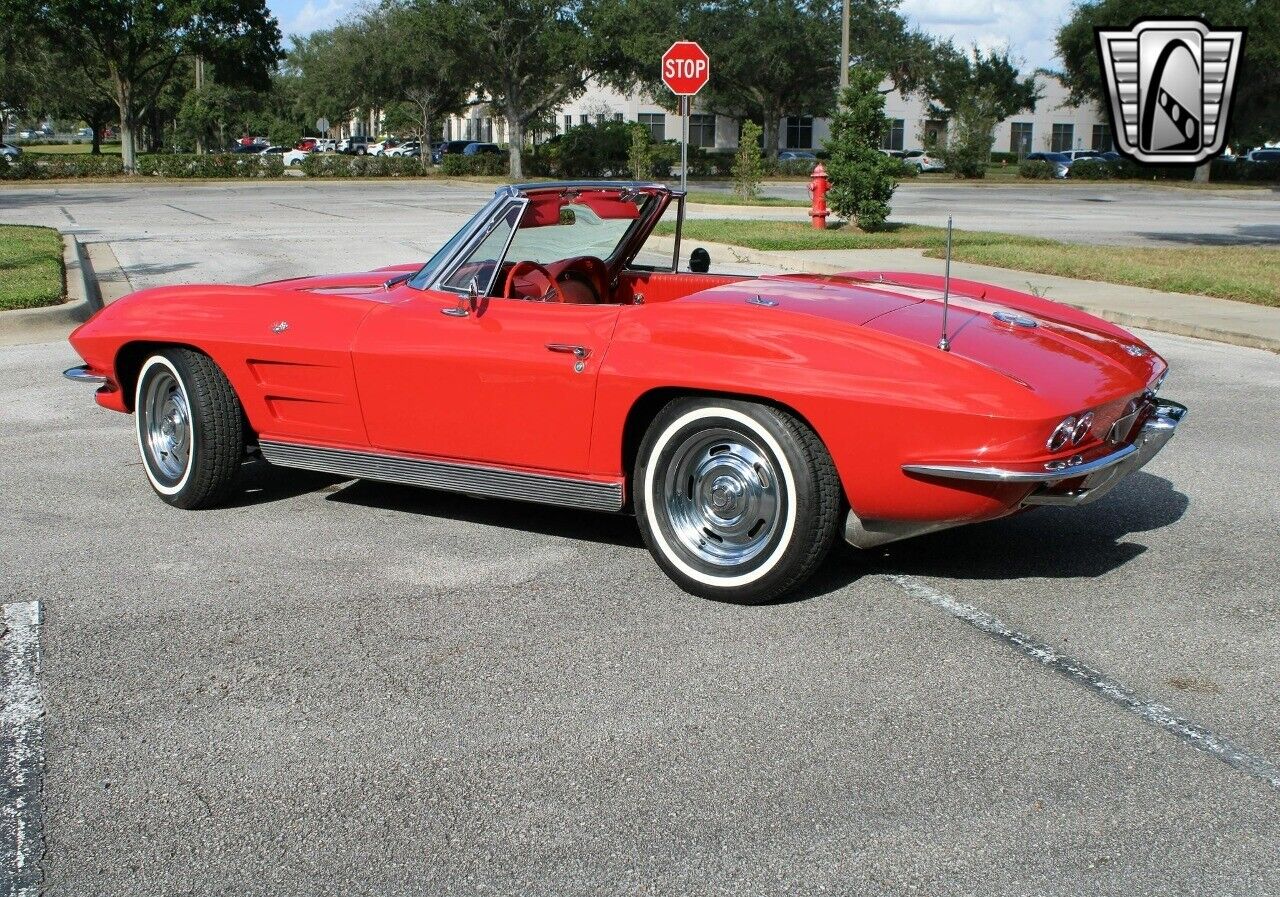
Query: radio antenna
x=945 y=344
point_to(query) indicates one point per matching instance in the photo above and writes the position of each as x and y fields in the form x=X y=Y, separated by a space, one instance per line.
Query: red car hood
x=364 y=283
x=1052 y=349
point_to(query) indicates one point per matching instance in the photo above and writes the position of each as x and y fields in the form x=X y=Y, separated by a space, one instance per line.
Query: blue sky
x=1026 y=27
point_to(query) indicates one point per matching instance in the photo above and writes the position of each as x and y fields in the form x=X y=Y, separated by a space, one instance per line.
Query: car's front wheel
x=190 y=430
x=736 y=501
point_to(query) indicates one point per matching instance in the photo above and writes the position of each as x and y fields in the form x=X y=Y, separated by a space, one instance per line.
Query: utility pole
x=199 y=67
x=844 y=46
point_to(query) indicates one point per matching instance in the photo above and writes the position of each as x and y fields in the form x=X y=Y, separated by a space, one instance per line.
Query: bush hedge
x=32 y=167
x=486 y=165
x=1094 y=170
x=1037 y=170
x=327 y=165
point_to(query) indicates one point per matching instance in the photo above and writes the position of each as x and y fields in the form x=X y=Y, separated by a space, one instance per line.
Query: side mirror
x=699 y=261
x=473 y=295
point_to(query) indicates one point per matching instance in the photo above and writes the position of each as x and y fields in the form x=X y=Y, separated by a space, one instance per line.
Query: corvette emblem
x=279 y=326
x=1135 y=351
x=1170 y=83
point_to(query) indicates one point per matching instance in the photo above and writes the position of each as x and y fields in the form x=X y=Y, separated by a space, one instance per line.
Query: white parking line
x=21 y=751
x=1156 y=714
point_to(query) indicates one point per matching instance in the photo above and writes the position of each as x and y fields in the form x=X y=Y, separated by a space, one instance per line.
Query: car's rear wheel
x=190 y=430
x=736 y=501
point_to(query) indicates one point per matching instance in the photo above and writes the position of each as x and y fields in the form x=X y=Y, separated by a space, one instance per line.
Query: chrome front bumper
x=81 y=374
x=1081 y=482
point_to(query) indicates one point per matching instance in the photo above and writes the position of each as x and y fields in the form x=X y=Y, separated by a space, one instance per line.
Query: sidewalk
x=1223 y=320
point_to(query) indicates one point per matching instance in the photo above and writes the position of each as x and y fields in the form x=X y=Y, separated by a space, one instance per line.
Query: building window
x=1102 y=138
x=656 y=122
x=1020 y=138
x=568 y=123
x=617 y=116
x=1064 y=137
x=935 y=132
x=895 y=133
x=584 y=119
x=799 y=131
x=702 y=130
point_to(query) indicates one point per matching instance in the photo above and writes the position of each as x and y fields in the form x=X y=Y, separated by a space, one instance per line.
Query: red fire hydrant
x=818 y=194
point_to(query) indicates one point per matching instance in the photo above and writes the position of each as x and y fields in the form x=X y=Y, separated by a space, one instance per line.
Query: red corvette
x=746 y=422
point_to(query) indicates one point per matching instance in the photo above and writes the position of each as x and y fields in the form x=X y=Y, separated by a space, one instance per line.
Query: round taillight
x=1061 y=434
x=1082 y=428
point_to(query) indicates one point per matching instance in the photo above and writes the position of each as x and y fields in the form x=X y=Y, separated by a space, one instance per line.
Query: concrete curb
x=31 y=325
x=787 y=262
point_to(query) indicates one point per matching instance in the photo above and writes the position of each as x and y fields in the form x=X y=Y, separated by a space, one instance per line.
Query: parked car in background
x=449 y=146
x=482 y=149
x=306 y=144
x=85 y=132
x=1077 y=155
x=355 y=145
x=326 y=145
x=251 y=149
x=921 y=161
x=1061 y=163
x=798 y=157
x=382 y=146
x=894 y=154
x=295 y=157
x=1264 y=154
x=408 y=148
x=8 y=151
x=583 y=380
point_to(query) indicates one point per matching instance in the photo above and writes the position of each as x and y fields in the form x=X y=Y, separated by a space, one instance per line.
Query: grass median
x=1244 y=273
x=30 y=267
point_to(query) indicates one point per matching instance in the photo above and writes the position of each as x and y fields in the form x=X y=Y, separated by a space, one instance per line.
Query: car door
x=509 y=382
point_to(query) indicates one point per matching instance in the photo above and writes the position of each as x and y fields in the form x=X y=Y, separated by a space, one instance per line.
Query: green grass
x=30 y=267
x=789 y=236
x=732 y=199
x=1243 y=273
x=64 y=149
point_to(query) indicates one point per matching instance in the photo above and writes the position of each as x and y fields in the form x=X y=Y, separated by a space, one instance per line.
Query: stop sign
x=686 y=68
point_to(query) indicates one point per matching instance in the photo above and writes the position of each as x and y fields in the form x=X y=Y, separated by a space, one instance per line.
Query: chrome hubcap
x=167 y=423
x=723 y=497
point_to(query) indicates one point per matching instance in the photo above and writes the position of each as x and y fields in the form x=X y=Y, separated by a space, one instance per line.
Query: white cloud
x=1026 y=28
x=312 y=16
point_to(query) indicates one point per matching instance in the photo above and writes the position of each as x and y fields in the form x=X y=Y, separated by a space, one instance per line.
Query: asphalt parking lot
x=343 y=687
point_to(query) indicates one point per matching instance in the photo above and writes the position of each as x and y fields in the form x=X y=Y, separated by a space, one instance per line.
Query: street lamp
x=844 y=47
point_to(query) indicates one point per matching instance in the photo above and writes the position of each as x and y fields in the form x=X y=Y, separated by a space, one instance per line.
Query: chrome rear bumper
x=1096 y=477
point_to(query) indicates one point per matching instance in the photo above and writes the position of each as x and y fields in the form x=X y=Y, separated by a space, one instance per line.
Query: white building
x=1055 y=124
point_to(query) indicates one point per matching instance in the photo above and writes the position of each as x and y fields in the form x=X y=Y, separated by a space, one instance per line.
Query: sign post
x=686 y=68
x=322 y=126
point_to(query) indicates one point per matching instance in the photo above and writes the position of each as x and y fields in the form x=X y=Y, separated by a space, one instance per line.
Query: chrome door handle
x=582 y=353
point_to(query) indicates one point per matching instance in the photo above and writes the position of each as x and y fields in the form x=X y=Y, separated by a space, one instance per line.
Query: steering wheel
x=521 y=269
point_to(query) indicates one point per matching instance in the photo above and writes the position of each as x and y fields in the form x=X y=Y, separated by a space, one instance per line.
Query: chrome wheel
x=166 y=426
x=724 y=498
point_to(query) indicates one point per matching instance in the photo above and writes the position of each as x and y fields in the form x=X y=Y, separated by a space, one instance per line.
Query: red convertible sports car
x=747 y=422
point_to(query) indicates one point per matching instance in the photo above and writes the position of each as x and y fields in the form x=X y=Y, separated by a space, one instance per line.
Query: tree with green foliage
x=134 y=46
x=769 y=58
x=531 y=57
x=747 y=167
x=973 y=92
x=861 y=179
x=1255 y=116
x=640 y=154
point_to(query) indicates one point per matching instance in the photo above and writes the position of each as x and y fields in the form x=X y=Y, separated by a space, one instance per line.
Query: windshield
x=579 y=231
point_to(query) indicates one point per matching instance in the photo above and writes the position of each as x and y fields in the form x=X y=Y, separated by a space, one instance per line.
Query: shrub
x=490 y=165
x=899 y=168
x=640 y=155
x=1037 y=170
x=1093 y=170
x=1004 y=157
x=747 y=170
x=324 y=165
x=861 y=182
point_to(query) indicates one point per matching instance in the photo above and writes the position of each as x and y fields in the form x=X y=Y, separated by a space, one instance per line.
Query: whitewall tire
x=736 y=501
x=190 y=428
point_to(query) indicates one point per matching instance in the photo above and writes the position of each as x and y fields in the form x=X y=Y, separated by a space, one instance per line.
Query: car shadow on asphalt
x=569 y=523
x=260 y=483
x=1050 y=542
